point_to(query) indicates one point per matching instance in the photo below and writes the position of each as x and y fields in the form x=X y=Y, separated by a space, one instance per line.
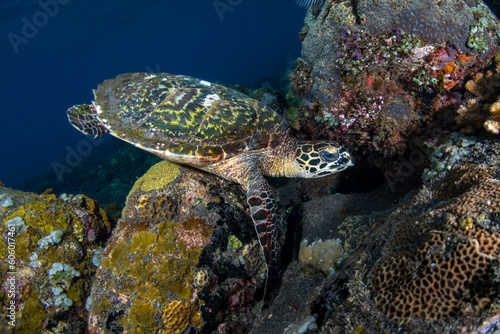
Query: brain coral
x=439 y=263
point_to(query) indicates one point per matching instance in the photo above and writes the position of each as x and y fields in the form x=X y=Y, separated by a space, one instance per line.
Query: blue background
x=83 y=43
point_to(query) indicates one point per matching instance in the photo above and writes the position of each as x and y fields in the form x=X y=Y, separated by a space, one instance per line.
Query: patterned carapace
x=213 y=128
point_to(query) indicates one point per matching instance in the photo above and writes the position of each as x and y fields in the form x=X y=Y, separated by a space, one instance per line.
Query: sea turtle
x=213 y=128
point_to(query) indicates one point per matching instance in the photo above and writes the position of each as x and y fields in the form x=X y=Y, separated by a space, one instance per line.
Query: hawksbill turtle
x=212 y=128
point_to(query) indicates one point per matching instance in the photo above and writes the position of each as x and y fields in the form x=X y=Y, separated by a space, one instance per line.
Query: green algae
x=33 y=315
x=140 y=313
x=48 y=231
x=153 y=267
x=133 y=260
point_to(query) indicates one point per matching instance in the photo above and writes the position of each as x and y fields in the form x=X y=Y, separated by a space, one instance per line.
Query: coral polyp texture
x=374 y=75
x=170 y=264
x=439 y=264
x=178 y=315
x=481 y=108
x=48 y=246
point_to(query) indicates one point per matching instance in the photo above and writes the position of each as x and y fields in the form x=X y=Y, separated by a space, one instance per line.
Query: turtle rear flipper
x=84 y=118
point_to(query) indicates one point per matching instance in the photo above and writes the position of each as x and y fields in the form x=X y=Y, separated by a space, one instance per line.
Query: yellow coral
x=492 y=124
x=177 y=315
x=157 y=177
x=201 y=278
x=146 y=206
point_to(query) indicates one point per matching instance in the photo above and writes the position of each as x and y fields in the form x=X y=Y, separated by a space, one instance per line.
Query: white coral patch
x=206 y=83
x=210 y=98
x=322 y=255
x=150 y=76
x=98 y=109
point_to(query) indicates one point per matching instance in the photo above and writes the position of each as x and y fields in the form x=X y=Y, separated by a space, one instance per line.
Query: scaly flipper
x=84 y=118
x=263 y=211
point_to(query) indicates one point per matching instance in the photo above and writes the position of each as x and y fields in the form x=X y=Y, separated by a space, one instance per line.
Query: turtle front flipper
x=263 y=211
x=84 y=118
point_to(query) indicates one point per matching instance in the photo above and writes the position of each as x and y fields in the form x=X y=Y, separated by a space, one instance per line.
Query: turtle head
x=321 y=158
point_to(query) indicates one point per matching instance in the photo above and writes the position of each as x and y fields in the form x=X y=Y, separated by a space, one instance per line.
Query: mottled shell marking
x=185 y=116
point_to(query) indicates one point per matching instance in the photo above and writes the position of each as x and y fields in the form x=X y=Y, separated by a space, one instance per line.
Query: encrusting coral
x=383 y=76
x=439 y=263
x=482 y=108
x=175 y=256
x=49 y=246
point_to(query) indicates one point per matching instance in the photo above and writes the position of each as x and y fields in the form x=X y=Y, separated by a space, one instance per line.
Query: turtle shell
x=180 y=116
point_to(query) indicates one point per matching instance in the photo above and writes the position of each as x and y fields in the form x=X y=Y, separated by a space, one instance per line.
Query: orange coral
x=177 y=315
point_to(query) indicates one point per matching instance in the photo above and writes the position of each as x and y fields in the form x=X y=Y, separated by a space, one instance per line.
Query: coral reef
x=374 y=74
x=438 y=263
x=481 y=108
x=178 y=257
x=427 y=265
x=309 y=3
x=48 y=244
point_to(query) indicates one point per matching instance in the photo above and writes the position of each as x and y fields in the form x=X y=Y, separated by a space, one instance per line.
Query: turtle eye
x=329 y=156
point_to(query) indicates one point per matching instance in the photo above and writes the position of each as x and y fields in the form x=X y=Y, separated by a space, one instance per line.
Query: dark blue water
x=54 y=52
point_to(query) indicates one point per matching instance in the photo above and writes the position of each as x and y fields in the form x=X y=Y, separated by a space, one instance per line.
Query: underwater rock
x=375 y=73
x=481 y=108
x=183 y=255
x=48 y=244
x=429 y=264
x=322 y=233
x=290 y=311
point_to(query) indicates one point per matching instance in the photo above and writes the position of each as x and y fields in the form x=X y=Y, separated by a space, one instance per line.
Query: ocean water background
x=54 y=52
